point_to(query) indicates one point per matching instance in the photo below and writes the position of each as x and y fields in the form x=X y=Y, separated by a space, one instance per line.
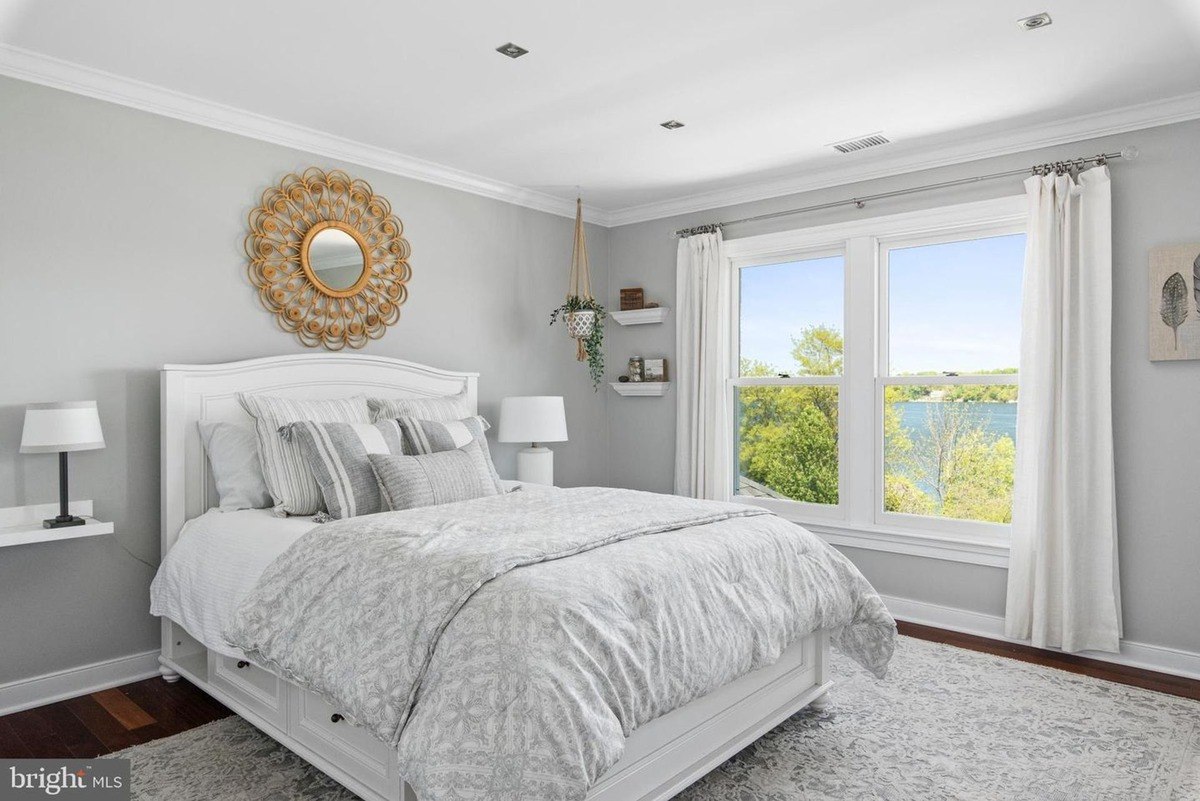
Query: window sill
x=975 y=552
x=992 y=553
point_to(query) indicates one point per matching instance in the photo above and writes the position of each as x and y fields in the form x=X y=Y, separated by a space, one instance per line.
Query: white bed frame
x=660 y=759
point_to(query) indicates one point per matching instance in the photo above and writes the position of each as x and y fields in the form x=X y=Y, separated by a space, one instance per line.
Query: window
x=948 y=372
x=789 y=379
x=874 y=383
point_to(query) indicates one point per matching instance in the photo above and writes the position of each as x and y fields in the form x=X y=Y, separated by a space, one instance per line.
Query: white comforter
x=217 y=560
x=509 y=645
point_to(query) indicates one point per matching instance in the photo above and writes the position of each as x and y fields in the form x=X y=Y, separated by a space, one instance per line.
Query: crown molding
x=26 y=65
x=929 y=156
x=57 y=73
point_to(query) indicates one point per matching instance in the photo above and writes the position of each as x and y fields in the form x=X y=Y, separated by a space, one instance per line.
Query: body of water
x=997 y=418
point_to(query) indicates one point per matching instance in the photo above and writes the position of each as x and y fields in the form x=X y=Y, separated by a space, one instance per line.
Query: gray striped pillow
x=337 y=454
x=289 y=478
x=449 y=407
x=433 y=436
x=433 y=478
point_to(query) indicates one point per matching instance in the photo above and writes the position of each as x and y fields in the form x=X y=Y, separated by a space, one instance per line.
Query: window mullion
x=857 y=403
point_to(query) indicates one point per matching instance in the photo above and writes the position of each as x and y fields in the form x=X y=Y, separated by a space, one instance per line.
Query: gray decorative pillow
x=233 y=453
x=337 y=454
x=433 y=478
x=433 y=436
x=288 y=476
x=449 y=407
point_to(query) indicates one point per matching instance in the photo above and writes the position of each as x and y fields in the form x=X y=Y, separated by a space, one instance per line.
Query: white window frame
x=931 y=524
x=812 y=511
x=859 y=520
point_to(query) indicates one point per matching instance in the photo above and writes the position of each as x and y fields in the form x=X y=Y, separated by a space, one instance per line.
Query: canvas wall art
x=1175 y=302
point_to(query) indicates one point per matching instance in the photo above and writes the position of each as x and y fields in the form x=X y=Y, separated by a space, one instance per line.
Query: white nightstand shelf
x=641 y=389
x=641 y=316
x=22 y=525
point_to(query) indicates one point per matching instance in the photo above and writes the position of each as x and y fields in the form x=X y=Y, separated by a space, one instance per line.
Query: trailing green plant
x=593 y=344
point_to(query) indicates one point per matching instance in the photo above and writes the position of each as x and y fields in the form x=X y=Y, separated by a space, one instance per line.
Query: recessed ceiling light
x=671 y=125
x=1035 y=22
x=511 y=50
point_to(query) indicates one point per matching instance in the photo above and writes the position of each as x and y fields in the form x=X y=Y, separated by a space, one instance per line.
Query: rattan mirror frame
x=282 y=227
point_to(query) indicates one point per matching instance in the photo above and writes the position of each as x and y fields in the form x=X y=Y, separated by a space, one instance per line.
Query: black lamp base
x=63 y=521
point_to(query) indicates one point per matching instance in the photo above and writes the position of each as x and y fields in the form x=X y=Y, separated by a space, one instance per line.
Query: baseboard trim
x=22 y=694
x=1133 y=654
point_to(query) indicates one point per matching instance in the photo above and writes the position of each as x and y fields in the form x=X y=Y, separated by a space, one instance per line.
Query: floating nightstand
x=22 y=525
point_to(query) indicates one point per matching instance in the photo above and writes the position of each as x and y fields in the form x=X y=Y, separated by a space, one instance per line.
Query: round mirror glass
x=336 y=259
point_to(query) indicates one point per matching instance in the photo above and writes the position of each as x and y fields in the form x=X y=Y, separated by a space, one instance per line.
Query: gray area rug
x=945 y=724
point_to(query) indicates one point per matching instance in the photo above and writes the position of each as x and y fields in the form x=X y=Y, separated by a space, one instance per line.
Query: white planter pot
x=580 y=324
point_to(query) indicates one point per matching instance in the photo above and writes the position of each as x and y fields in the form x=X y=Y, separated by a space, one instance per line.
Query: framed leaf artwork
x=1175 y=302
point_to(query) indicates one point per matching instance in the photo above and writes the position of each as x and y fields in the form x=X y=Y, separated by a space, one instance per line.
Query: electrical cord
x=133 y=555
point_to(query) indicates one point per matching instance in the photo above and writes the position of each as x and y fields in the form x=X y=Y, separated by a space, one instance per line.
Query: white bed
x=221 y=556
x=216 y=561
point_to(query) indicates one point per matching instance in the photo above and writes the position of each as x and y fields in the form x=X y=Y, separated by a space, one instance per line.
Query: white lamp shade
x=537 y=418
x=57 y=427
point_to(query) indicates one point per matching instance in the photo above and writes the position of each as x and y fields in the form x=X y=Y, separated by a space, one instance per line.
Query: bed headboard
x=194 y=392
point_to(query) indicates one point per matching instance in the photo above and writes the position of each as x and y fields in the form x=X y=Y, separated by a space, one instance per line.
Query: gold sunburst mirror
x=328 y=258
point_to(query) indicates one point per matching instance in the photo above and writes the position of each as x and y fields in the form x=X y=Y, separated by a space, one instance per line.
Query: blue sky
x=953 y=306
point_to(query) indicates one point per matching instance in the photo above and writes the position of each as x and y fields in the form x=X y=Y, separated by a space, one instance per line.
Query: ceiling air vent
x=861 y=143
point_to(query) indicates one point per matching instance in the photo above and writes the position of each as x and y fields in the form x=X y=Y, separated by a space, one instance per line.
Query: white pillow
x=289 y=478
x=448 y=407
x=233 y=453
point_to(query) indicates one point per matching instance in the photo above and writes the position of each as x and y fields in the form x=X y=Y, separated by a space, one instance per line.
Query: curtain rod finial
x=1130 y=152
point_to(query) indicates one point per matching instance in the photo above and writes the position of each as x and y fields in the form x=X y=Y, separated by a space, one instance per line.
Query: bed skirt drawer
x=318 y=725
x=260 y=690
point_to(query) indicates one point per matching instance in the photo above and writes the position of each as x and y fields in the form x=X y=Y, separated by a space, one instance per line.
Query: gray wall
x=120 y=250
x=1156 y=201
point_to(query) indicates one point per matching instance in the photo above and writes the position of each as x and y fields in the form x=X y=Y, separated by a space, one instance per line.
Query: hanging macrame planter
x=583 y=316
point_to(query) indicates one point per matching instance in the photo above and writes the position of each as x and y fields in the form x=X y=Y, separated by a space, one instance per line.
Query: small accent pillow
x=433 y=478
x=449 y=407
x=289 y=478
x=432 y=436
x=233 y=453
x=337 y=454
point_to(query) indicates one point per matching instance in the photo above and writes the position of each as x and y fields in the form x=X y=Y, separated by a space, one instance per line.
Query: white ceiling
x=763 y=87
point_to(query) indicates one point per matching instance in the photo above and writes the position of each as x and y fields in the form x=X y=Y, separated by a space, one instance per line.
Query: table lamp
x=534 y=419
x=61 y=428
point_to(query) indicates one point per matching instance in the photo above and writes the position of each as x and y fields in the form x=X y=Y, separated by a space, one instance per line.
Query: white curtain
x=702 y=320
x=1062 y=576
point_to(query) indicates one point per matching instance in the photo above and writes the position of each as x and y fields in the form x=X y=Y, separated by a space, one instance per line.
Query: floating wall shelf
x=641 y=389
x=641 y=316
x=22 y=525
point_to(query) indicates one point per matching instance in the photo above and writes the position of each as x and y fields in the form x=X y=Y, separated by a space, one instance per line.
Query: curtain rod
x=1059 y=167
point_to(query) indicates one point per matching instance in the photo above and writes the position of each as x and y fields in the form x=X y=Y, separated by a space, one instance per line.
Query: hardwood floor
x=1121 y=674
x=107 y=721
x=110 y=720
